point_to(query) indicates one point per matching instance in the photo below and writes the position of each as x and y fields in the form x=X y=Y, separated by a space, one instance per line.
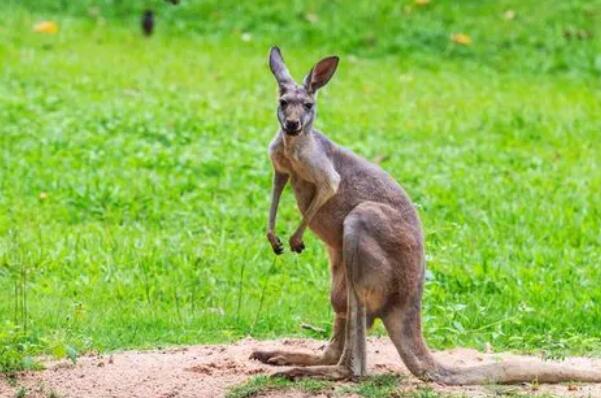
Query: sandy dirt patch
x=211 y=370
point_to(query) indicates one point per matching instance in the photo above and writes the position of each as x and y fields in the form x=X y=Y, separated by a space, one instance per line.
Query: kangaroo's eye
x=308 y=105
x=283 y=103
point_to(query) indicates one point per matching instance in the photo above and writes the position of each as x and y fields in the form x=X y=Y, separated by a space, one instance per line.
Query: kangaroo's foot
x=286 y=358
x=334 y=372
x=330 y=356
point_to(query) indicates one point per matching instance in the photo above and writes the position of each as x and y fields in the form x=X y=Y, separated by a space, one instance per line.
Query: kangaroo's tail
x=517 y=371
x=404 y=329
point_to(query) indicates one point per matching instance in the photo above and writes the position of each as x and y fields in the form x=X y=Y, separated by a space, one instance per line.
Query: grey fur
x=375 y=244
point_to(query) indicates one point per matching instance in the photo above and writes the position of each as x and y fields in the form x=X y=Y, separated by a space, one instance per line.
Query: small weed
x=255 y=386
x=262 y=384
x=21 y=392
x=17 y=349
x=377 y=386
x=426 y=392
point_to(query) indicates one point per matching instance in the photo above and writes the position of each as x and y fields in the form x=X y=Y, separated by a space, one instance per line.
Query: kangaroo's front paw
x=276 y=243
x=296 y=244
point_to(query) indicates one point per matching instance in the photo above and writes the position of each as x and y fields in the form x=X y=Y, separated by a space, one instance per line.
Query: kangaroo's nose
x=292 y=125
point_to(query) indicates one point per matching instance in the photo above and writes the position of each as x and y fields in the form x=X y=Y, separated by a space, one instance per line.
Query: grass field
x=134 y=179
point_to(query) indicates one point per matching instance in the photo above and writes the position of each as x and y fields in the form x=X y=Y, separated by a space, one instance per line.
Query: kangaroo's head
x=296 y=106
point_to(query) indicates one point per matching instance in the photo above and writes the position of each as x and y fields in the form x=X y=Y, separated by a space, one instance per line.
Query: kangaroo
x=375 y=243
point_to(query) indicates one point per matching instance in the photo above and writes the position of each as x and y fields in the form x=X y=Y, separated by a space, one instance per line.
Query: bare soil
x=211 y=370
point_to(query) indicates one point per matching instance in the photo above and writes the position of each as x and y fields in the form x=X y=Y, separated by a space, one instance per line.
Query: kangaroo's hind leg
x=332 y=353
x=287 y=358
x=367 y=278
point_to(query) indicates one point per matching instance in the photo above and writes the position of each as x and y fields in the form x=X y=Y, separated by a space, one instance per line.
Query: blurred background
x=507 y=35
x=134 y=177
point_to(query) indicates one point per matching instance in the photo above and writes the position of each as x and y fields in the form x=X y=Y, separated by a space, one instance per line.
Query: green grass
x=134 y=180
x=259 y=385
x=377 y=386
x=380 y=386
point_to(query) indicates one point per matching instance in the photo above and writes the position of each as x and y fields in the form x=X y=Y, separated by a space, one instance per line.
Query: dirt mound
x=211 y=370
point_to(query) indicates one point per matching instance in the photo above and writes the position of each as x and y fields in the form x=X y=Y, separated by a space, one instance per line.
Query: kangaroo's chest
x=327 y=222
x=304 y=190
x=289 y=161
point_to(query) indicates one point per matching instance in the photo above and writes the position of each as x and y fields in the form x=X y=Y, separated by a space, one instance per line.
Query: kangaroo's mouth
x=293 y=132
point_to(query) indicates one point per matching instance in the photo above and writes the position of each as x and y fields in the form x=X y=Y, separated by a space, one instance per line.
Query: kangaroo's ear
x=321 y=73
x=278 y=67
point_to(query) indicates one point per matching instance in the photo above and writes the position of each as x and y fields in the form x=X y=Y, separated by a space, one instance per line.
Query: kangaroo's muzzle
x=292 y=127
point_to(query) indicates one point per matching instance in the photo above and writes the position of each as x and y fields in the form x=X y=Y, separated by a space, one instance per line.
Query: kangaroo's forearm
x=279 y=182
